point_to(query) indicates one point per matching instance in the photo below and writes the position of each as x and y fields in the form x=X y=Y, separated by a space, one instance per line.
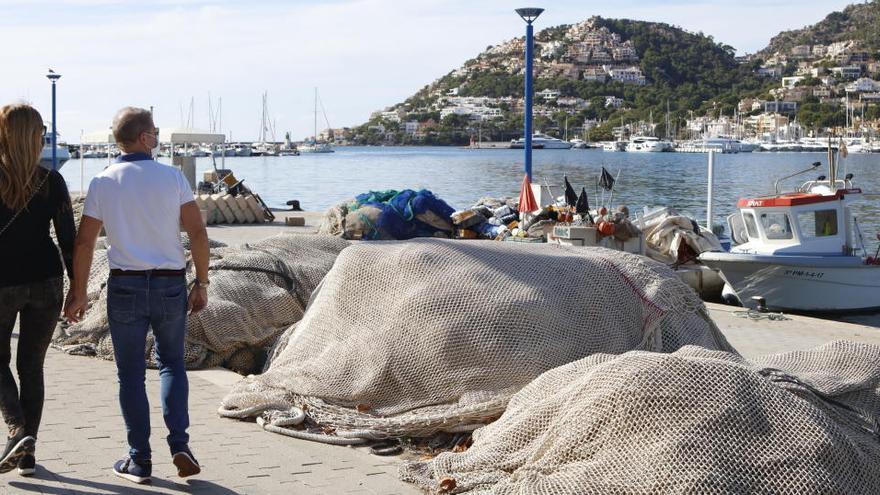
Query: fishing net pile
x=389 y=215
x=694 y=421
x=673 y=237
x=257 y=291
x=427 y=336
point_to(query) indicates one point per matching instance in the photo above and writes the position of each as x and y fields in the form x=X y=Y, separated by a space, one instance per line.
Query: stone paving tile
x=82 y=434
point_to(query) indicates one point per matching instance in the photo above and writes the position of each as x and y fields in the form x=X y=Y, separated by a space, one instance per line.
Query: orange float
x=606 y=228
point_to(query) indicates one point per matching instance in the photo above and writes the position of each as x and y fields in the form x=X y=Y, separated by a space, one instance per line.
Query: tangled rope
x=756 y=315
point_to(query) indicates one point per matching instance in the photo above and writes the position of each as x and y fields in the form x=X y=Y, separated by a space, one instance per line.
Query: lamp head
x=529 y=14
x=53 y=76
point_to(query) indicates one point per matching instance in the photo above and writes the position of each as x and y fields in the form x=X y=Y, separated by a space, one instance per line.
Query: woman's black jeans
x=38 y=304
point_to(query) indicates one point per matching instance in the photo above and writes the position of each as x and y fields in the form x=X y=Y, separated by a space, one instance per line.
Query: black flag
x=607 y=181
x=571 y=197
x=583 y=206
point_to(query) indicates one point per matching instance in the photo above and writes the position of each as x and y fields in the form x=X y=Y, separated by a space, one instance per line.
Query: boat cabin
x=814 y=220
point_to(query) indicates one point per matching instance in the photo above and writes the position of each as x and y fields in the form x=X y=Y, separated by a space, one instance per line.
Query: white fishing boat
x=801 y=251
x=541 y=142
x=62 y=154
x=647 y=144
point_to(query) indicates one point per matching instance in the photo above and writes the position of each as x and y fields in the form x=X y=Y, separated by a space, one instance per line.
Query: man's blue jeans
x=134 y=305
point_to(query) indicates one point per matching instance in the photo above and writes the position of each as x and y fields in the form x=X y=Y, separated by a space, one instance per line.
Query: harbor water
x=461 y=176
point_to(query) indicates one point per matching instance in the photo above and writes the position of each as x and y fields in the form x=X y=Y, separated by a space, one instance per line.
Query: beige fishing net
x=257 y=291
x=413 y=338
x=694 y=421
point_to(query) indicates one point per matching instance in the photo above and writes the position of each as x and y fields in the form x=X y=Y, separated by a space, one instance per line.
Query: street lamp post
x=52 y=76
x=529 y=15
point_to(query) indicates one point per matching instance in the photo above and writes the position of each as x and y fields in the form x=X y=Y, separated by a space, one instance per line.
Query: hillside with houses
x=608 y=79
x=828 y=74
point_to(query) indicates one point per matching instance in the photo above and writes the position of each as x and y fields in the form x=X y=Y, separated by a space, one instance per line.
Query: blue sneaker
x=138 y=472
x=186 y=463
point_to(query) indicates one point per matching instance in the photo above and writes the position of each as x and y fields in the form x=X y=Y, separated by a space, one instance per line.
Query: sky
x=362 y=55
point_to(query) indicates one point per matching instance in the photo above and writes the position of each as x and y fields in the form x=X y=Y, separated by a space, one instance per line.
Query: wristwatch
x=200 y=283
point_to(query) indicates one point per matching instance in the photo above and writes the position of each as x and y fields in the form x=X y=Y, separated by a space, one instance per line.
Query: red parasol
x=527 y=203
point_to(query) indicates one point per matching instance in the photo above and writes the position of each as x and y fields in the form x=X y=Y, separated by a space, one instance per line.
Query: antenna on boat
x=832 y=167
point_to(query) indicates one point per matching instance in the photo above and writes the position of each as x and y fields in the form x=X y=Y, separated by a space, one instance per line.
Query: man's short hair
x=129 y=123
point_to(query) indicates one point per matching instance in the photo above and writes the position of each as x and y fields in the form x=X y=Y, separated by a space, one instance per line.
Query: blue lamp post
x=529 y=15
x=52 y=76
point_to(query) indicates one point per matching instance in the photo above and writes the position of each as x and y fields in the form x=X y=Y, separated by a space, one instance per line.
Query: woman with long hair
x=30 y=282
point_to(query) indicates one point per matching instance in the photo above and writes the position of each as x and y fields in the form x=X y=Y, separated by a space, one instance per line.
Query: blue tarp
x=399 y=211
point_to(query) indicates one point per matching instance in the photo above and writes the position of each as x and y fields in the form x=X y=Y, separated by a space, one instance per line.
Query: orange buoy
x=606 y=228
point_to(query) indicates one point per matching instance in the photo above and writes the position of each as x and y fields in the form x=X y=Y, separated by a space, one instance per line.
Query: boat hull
x=519 y=145
x=62 y=155
x=307 y=149
x=706 y=282
x=823 y=284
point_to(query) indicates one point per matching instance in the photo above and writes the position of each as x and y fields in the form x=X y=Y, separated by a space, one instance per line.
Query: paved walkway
x=82 y=435
x=754 y=338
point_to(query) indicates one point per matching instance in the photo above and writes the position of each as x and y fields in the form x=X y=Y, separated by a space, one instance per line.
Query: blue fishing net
x=400 y=211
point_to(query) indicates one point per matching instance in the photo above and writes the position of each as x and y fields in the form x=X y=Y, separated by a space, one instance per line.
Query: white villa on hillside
x=863 y=85
x=629 y=75
x=613 y=102
x=548 y=94
x=790 y=82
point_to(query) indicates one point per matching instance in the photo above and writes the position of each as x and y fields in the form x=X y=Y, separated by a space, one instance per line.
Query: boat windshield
x=776 y=225
x=820 y=223
x=751 y=226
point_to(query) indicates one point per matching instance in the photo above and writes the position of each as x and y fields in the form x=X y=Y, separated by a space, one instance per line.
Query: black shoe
x=16 y=448
x=186 y=463
x=138 y=472
x=27 y=465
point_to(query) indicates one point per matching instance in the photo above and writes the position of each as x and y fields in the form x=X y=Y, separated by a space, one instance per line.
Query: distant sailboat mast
x=316 y=116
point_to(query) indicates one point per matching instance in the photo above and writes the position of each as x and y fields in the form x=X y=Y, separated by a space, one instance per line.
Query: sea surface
x=462 y=176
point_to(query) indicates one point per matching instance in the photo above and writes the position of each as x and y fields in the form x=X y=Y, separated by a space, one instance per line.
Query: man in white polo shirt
x=141 y=204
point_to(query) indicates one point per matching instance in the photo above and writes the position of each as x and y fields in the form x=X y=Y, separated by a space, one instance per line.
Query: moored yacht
x=242 y=149
x=541 y=141
x=718 y=144
x=315 y=147
x=648 y=144
x=579 y=144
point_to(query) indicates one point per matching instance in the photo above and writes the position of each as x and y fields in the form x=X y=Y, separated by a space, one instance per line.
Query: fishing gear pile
x=389 y=215
x=693 y=421
x=427 y=336
x=257 y=291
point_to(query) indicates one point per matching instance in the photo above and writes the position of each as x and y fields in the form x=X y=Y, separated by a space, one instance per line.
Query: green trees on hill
x=688 y=74
x=858 y=22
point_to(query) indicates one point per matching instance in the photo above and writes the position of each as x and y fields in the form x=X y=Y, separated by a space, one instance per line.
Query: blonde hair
x=21 y=143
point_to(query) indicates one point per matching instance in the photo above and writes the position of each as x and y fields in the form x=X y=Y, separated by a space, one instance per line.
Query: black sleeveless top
x=27 y=253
